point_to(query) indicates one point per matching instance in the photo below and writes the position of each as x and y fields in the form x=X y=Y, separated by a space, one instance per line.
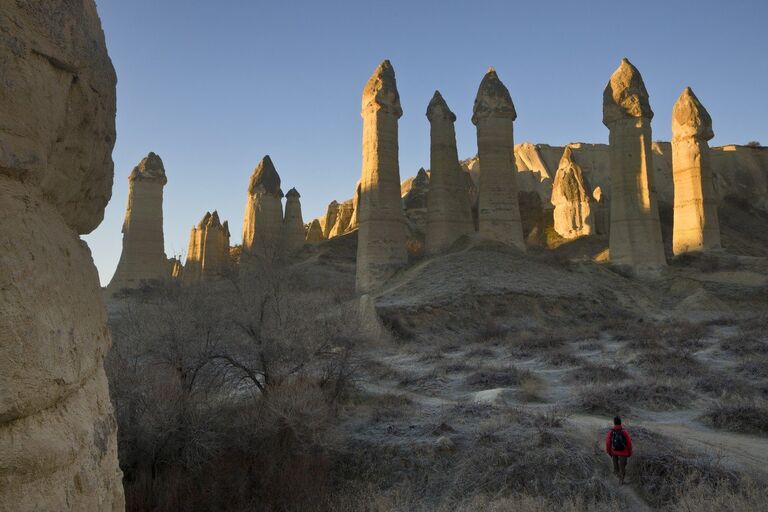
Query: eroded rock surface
x=208 y=252
x=143 y=257
x=58 y=448
x=696 y=226
x=571 y=198
x=381 y=232
x=498 y=208
x=635 y=238
x=293 y=223
x=263 y=222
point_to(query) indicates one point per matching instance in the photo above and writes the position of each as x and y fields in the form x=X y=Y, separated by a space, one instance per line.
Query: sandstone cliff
x=58 y=447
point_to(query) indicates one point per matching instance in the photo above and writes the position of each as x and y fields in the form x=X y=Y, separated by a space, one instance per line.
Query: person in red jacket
x=618 y=444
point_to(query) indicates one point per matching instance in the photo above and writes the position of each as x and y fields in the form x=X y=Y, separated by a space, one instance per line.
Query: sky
x=213 y=86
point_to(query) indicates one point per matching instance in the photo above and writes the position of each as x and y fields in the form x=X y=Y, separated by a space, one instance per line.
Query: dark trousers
x=619 y=466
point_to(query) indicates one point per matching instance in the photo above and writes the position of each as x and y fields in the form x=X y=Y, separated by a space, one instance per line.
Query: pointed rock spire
x=381 y=91
x=293 y=223
x=690 y=118
x=625 y=96
x=293 y=193
x=570 y=196
x=208 y=250
x=438 y=109
x=314 y=233
x=493 y=99
x=150 y=168
x=265 y=177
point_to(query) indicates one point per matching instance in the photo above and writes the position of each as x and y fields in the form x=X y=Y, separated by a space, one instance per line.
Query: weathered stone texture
x=58 y=448
x=635 y=237
x=381 y=233
x=263 y=222
x=571 y=198
x=343 y=219
x=449 y=212
x=208 y=251
x=498 y=208
x=143 y=257
x=314 y=233
x=696 y=226
x=293 y=223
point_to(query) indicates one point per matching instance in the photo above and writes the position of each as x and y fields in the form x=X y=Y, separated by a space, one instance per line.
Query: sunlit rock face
x=346 y=211
x=314 y=233
x=635 y=238
x=449 y=213
x=263 y=221
x=381 y=232
x=208 y=251
x=696 y=226
x=572 y=200
x=58 y=448
x=293 y=223
x=143 y=257
x=498 y=208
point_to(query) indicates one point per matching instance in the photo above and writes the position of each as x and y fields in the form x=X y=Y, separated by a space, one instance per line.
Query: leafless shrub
x=669 y=363
x=620 y=398
x=591 y=373
x=750 y=417
x=490 y=378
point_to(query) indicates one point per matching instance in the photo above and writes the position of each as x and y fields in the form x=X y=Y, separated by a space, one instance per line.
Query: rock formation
x=449 y=213
x=329 y=221
x=263 y=222
x=601 y=212
x=381 y=233
x=498 y=208
x=314 y=233
x=293 y=223
x=570 y=196
x=696 y=227
x=208 y=252
x=354 y=223
x=635 y=237
x=58 y=448
x=343 y=219
x=175 y=268
x=143 y=258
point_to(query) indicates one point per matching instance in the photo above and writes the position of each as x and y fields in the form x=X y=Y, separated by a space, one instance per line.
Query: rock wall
x=381 y=232
x=635 y=237
x=695 y=226
x=58 y=448
x=344 y=214
x=143 y=257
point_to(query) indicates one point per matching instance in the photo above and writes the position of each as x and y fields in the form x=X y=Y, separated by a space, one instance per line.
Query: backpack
x=618 y=442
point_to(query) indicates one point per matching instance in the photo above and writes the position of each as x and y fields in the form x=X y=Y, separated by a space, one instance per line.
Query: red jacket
x=627 y=452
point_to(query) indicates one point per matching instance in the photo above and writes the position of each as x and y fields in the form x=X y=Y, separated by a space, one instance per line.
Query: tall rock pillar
x=263 y=222
x=208 y=252
x=696 y=227
x=498 y=207
x=58 y=444
x=143 y=258
x=381 y=234
x=635 y=237
x=293 y=223
x=449 y=214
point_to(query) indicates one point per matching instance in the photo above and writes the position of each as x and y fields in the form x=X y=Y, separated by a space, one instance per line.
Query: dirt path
x=749 y=452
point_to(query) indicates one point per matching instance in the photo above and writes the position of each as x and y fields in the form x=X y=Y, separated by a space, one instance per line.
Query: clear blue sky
x=212 y=86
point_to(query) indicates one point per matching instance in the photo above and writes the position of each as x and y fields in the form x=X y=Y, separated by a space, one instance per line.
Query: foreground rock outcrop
x=449 y=213
x=58 y=448
x=143 y=259
x=571 y=198
x=695 y=226
x=498 y=207
x=381 y=232
x=263 y=222
x=208 y=252
x=635 y=238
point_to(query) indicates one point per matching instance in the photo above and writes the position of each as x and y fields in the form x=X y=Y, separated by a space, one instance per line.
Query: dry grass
x=669 y=363
x=748 y=417
x=491 y=378
x=591 y=373
x=621 y=398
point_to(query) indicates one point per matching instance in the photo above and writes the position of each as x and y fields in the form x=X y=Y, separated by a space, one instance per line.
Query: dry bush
x=621 y=398
x=720 y=497
x=563 y=358
x=669 y=363
x=754 y=367
x=532 y=390
x=746 y=343
x=725 y=386
x=591 y=373
x=748 y=417
x=650 y=335
x=661 y=469
x=491 y=378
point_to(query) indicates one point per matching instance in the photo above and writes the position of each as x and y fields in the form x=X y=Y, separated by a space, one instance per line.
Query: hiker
x=618 y=445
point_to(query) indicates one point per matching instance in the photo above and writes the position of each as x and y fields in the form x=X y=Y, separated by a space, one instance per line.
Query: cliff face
x=58 y=448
